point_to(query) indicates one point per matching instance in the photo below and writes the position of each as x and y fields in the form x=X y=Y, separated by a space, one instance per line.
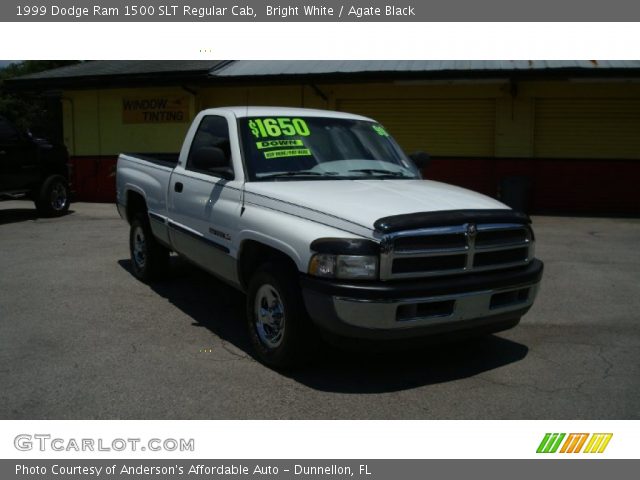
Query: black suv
x=33 y=168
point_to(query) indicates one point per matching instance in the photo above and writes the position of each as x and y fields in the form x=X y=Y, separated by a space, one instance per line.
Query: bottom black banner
x=585 y=469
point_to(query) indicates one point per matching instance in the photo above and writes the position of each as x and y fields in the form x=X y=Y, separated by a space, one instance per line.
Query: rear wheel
x=279 y=328
x=149 y=259
x=53 y=198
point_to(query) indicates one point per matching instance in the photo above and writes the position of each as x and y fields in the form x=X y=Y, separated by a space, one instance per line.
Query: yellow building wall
x=597 y=120
x=265 y=95
x=93 y=123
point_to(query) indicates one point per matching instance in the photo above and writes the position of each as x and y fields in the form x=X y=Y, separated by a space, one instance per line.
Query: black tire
x=149 y=259
x=298 y=340
x=53 y=198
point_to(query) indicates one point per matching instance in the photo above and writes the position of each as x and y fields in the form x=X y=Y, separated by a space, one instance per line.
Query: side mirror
x=212 y=160
x=421 y=159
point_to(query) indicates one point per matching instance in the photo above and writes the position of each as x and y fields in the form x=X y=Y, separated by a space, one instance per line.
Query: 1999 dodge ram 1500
x=328 y=227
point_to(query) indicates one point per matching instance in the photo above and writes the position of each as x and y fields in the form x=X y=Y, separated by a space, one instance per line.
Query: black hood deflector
x=411 y=221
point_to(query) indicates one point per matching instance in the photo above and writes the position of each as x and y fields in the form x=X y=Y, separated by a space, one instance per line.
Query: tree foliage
x=37 y=112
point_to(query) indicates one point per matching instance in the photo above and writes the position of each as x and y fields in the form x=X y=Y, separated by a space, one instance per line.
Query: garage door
x=587 y=128
x=441 y=127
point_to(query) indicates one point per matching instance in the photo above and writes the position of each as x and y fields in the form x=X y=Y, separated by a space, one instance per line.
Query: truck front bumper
x=477 y=303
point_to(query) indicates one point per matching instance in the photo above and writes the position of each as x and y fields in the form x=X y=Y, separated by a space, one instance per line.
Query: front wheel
x=53 y=198
x=279 y=328
x=149 y=259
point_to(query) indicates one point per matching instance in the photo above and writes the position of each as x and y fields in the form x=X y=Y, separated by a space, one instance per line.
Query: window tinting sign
x=156 y=109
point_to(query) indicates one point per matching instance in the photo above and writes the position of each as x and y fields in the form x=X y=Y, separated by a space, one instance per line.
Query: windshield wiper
x=378 y=171
x=298 y=173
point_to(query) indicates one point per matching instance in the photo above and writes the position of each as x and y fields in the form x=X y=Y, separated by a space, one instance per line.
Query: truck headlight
x=344 y=266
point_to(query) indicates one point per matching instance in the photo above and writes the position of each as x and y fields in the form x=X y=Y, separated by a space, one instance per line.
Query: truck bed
x=147 y=174
x=169 y=160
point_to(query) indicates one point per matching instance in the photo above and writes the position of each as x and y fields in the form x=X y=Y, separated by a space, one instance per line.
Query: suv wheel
x=53 y=198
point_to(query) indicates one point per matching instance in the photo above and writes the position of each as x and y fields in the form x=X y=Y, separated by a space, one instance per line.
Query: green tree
x=37 y=112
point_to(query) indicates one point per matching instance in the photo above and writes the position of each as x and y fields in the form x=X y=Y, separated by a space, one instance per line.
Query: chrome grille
x=455 y=249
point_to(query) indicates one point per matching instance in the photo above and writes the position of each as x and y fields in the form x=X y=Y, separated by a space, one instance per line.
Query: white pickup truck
x=329 y=229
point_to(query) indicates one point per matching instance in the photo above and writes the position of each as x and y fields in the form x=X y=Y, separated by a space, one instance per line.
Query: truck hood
x=362 y=202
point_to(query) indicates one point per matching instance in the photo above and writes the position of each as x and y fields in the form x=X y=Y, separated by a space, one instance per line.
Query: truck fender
x=249 y=236
x=124 y=201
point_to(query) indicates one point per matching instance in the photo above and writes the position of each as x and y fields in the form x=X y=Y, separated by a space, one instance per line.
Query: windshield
x=310 y=148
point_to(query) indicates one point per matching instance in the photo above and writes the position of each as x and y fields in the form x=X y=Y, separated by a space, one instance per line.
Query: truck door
x=204 y=206
x=18 y=159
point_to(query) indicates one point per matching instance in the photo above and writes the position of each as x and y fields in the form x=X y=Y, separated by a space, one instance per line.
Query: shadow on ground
x=16 y=215
x=220 y=308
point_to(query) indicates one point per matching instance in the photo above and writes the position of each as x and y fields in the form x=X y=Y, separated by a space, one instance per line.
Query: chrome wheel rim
x=139 y=247
x=58 y=197
x=269 y=316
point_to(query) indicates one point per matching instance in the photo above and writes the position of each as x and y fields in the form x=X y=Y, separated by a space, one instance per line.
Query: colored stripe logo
x=574 y=443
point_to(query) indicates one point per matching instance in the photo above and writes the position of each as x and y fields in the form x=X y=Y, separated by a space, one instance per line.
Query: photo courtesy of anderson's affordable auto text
x=297 y=239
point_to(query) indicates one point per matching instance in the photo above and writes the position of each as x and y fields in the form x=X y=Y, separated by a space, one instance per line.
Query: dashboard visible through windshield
x=310 y=148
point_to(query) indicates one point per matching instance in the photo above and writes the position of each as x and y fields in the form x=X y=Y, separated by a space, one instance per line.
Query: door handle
x=178 y=187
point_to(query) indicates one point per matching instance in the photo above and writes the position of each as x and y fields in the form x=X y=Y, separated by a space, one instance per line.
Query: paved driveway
x=80 y=337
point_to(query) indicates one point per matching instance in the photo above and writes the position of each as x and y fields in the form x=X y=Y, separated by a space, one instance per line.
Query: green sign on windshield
x=379 y=129
x=293 y=152
x=278 y=127
x=278 y=144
